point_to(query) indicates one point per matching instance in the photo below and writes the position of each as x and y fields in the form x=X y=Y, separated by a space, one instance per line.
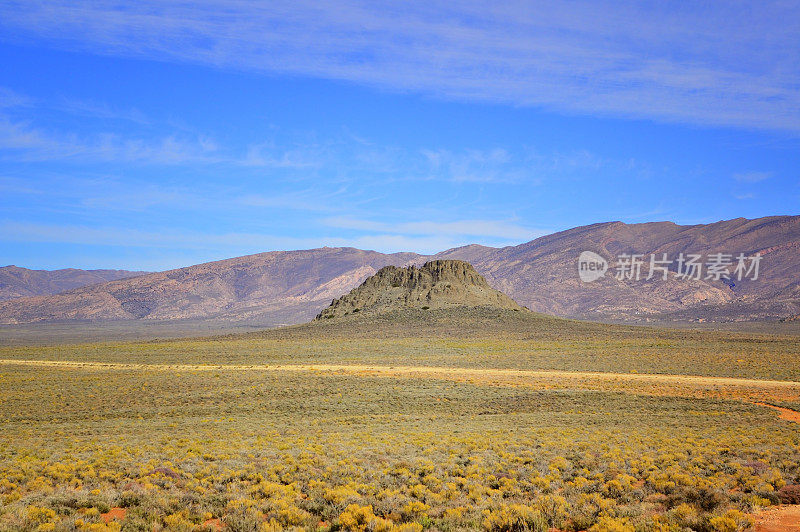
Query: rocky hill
x=274 y=288
x=16 y=282
x=293 y=286
x=437 y=284
x=542 y=274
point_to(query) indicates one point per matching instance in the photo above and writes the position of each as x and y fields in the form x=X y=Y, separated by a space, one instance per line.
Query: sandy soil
x=779 y=519
x=746 y=390
x=413 y=370
x=114 y=514
x=784 y=413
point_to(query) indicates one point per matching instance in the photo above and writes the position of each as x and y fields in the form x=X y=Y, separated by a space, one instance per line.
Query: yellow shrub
x=513 y=518
x=415 y=508
x=553 y=508
x=289 y=514
x=177 y=521
x=408 y=527
x=455 y=513
x=6 y=486
x=685 y=515
x=610 y=524
x=418 y=491
x=379 y=524
x=732 y=521
x=113 y=526
x=241 y=504
x=386 y=493
x=356 y=517
x=270 y=526
x=37 y=515
x=340 y=494
x=360 y=518
x=560 y=463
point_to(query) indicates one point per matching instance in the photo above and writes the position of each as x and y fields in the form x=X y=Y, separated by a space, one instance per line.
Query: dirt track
x=753 y=391
x=419 y=370
x=779 y=519
x=784 y=413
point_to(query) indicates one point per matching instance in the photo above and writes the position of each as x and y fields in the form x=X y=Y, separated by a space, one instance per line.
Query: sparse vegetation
x=197 y=434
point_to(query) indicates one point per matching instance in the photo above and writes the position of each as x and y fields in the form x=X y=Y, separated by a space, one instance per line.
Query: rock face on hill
x=437 y=284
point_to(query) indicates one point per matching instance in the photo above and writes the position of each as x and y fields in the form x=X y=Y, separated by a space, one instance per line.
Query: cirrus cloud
x=723 y=64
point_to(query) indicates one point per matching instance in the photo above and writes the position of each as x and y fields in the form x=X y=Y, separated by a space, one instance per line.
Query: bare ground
x=784 y=518
x=754 y=391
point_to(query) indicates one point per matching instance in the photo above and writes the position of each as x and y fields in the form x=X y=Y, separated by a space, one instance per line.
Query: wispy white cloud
x=719 y=64
x=342 y=157
x=268 y=155
x=100 y=110
x=575 y=160
x=10 y=98
x=752 y=177
x=496 y=165
x=23 y=142
x=495 y=229
x=11 y=185
x=231 y=244
x=120 y=236
x=307 y=199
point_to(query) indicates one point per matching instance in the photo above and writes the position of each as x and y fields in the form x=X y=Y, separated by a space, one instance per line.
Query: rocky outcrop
x=437 y=284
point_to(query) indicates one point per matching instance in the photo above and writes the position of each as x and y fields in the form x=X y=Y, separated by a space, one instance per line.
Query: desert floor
x=491 y=422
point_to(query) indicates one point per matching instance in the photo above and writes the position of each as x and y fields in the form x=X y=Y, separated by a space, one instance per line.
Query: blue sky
x=154 y=135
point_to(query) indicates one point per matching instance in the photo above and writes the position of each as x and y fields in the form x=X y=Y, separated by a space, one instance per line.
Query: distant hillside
x=293 y=286
x=437 y=284
x=269 y=288
x=542 y=274
x=16 y=282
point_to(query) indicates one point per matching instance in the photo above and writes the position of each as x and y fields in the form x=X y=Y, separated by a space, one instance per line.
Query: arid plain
x=434 y=419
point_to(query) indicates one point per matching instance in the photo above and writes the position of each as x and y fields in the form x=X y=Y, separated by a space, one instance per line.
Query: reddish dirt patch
x=784 y=413
x=213 y=524
x=113 y=514
x=784 y=518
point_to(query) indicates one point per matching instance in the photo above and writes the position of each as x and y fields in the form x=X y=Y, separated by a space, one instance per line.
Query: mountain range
x=16 y=282
x=285 y=287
